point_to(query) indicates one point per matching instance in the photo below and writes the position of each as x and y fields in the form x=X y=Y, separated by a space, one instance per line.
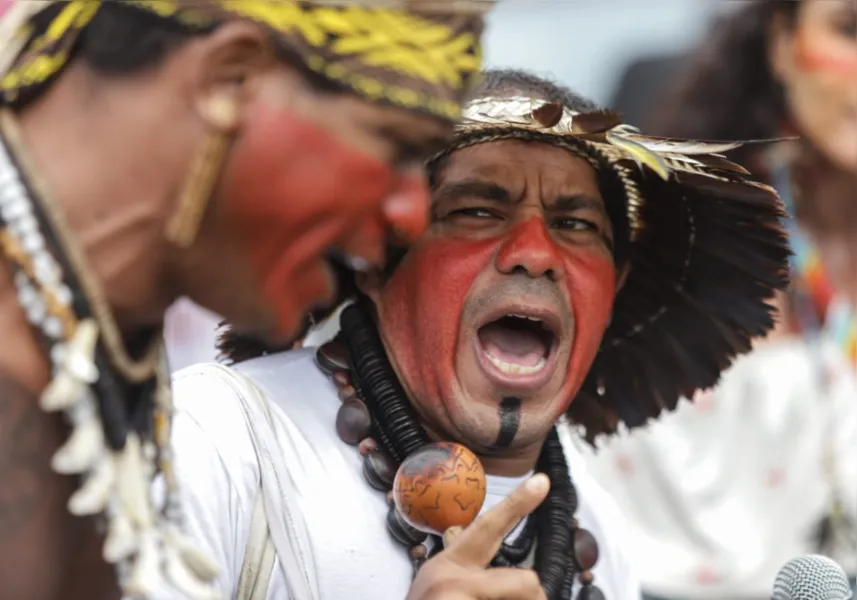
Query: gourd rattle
x=439 y=486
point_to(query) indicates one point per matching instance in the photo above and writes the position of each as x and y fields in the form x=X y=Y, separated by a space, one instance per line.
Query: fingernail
x=450 y=535
x=538 y=483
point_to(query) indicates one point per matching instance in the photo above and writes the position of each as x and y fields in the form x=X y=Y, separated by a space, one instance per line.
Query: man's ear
x=230 y=62
x=622 y=275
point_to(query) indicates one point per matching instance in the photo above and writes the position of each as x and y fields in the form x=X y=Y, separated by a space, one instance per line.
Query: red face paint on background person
x=820 y=51
x=293 y=190
x=451 y=278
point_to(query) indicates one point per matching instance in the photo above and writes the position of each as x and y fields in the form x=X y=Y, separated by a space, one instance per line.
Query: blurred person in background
x=764 y=467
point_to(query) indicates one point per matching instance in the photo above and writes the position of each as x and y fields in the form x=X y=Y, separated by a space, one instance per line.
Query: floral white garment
x=724 y=491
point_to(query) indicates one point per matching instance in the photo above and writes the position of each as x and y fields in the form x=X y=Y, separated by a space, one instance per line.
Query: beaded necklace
x=376 y=416
x=119 y=409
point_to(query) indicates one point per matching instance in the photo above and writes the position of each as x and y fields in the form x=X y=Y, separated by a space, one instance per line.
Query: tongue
x=512 y=345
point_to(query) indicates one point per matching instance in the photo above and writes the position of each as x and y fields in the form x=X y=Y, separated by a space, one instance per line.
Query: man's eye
x=479 y=213
x=575 y=225
x=848 y=30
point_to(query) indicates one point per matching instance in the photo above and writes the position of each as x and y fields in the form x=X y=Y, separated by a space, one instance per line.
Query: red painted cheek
x=422 y=305
x=291 y=191
x=591 y=284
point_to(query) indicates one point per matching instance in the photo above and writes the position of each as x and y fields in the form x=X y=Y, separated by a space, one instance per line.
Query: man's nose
x=528 y=248
x=406 y=209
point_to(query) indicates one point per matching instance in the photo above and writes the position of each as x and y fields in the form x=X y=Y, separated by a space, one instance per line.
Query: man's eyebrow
x=578 y=202
x=474 y=188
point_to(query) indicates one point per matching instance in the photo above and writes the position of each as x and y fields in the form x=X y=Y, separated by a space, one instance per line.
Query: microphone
x=811 y=577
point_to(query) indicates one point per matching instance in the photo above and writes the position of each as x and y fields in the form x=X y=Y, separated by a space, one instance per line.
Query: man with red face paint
x=573 y=268
x=204 y=148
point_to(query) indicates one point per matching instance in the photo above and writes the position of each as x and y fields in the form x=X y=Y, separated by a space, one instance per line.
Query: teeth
x=514 y=369
x=528 y=318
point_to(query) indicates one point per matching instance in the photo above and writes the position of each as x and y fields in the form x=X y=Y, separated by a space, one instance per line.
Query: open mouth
x=518 y=349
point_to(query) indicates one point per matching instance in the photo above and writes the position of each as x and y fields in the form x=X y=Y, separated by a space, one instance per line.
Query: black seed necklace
x=377 y=417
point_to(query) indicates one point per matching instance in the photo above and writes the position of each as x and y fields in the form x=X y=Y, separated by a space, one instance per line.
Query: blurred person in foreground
x=557 y=277
x=764 y=467
x=151 y=150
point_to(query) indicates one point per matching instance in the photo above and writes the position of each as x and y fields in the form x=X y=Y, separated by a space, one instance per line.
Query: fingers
x=478 y=544
x=509 y=584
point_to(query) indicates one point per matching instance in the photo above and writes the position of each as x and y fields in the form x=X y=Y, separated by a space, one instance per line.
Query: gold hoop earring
x=183 y=226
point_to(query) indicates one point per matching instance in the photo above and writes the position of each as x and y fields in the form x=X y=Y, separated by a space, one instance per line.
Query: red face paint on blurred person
x=292 y=192
x=407 y=207
x=819 y=50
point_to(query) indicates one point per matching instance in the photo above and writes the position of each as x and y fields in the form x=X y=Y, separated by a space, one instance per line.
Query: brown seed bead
x=347 y=394
x=379 y=470
x=341 y=379
x=586 y=577
x=367 y=445
x=418 y=555
x=332 y=356
x=591 y=592
x=585 y=550
x=439 y=486
x=353 y=423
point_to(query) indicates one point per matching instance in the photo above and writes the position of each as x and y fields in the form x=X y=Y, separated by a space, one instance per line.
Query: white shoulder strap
x=258 y=557
x=287 y=529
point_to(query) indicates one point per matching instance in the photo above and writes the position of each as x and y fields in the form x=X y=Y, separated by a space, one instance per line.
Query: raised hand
x=460 y=572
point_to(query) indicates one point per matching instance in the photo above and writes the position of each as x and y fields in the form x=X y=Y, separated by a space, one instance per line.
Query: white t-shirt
x=354 y=555
x=190 y=334
x=721 y=493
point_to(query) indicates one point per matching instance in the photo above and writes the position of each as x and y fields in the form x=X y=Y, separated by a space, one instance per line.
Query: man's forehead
x=508 y=160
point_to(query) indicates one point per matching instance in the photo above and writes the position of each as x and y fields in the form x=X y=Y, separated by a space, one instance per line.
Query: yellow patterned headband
x=418 y=54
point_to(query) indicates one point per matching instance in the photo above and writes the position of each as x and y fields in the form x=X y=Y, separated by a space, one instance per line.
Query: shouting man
x=572 y=267
x=203 y=148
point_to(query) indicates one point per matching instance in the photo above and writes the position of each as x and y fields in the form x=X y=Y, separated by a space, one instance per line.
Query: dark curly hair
x=727 y=89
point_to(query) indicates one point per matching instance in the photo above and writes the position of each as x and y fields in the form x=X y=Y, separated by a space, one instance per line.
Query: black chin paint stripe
x=510 y=420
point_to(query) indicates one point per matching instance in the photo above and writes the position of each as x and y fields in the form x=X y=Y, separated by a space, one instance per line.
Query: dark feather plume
x=703 y=272
x=548 y=115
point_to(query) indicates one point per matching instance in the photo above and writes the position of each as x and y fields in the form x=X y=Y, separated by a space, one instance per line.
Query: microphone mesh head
x=811 y=578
